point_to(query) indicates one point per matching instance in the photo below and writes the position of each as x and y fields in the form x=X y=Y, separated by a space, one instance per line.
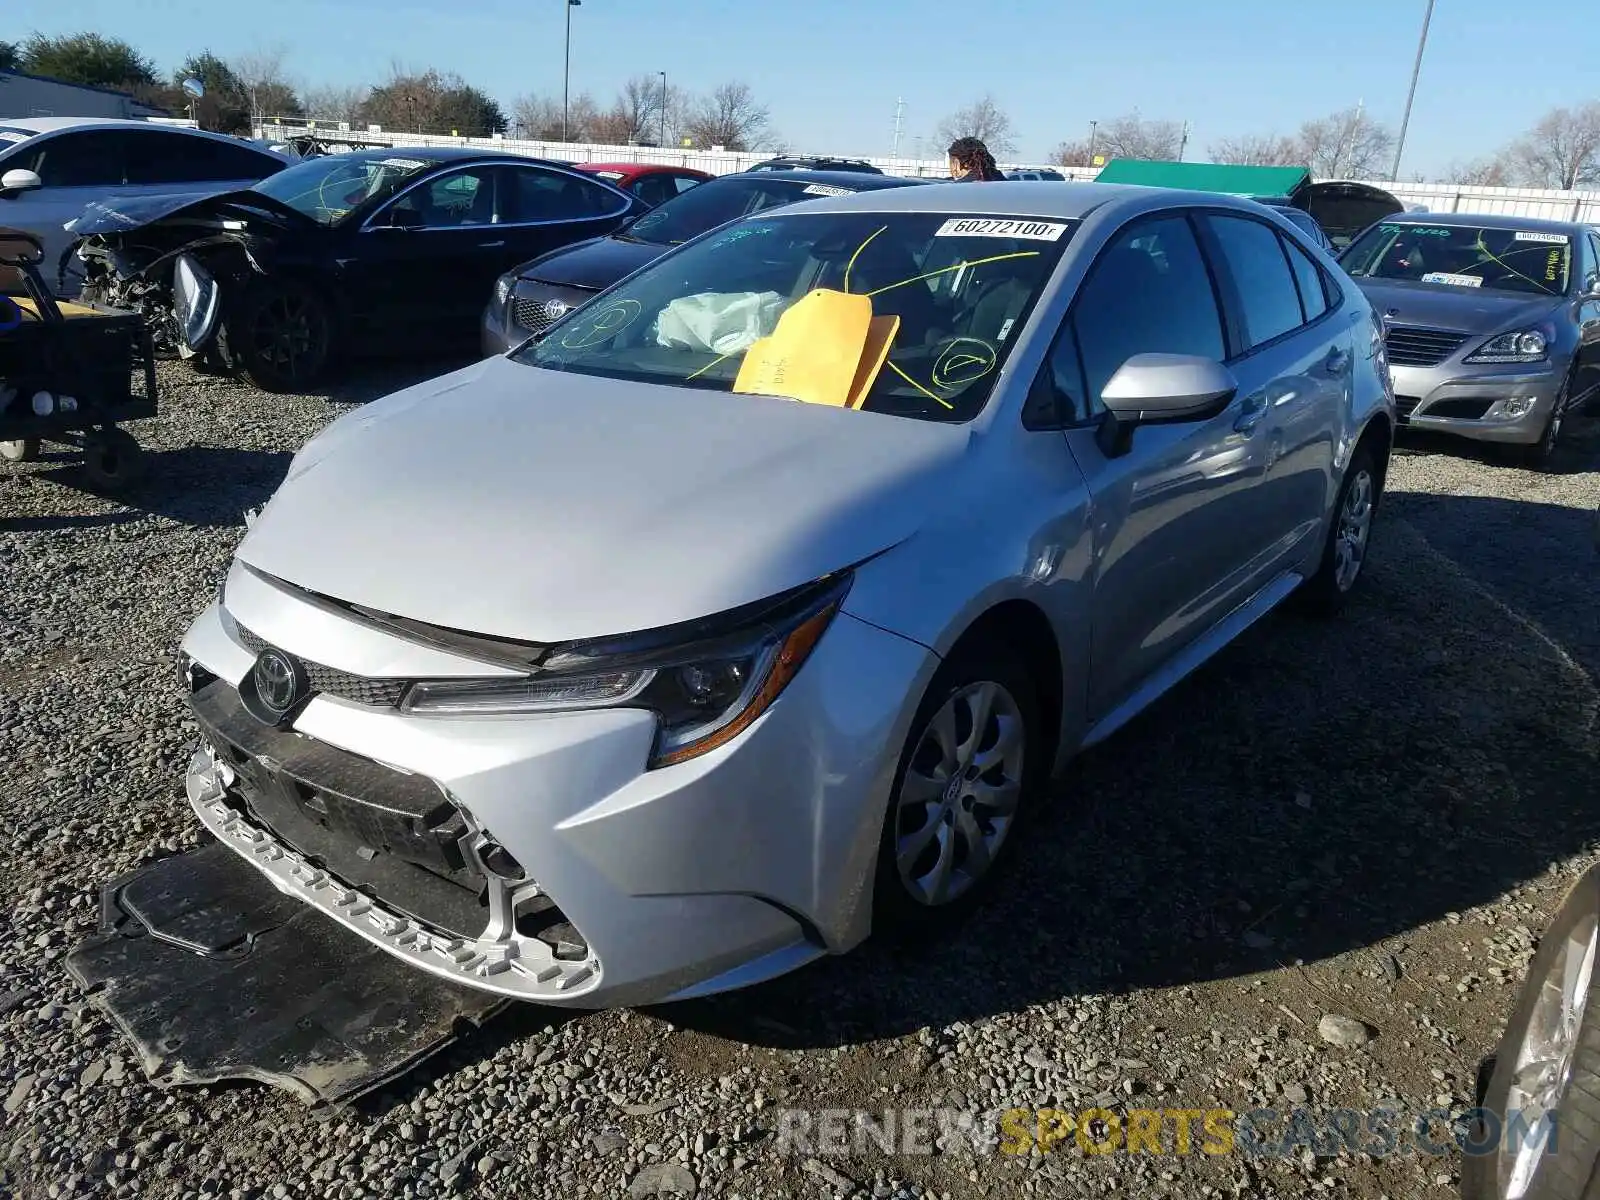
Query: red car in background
x=651 y=182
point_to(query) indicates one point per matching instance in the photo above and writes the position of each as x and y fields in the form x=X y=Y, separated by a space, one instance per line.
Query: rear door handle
x=1337 y=361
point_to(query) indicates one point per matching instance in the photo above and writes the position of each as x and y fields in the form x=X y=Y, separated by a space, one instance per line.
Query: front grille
x=538 y=315
x=330 y=681
x=1414 y=346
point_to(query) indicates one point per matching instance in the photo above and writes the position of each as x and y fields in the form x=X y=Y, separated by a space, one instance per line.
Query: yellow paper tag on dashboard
x=814 y=353
x=880 y=336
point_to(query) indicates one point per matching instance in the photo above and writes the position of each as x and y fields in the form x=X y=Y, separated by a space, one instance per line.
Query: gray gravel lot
x=1367 y=819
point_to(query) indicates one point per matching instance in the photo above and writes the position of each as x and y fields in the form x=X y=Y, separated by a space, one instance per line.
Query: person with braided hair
x=971 y=162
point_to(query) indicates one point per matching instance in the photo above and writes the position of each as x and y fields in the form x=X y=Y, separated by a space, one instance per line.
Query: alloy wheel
x=959 y=797
x=286 y=334
x=1355 y=526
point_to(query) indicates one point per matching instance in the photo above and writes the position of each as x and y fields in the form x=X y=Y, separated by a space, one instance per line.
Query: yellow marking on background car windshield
x=960 y=266
x=1491 y=256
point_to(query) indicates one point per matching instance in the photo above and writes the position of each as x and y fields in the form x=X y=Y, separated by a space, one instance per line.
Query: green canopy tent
x=1269 y=185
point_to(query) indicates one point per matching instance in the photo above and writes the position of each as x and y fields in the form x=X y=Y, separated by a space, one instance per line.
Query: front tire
x=281 y=337
x=1344 y=554
x=1538 y=456
x=969 y=773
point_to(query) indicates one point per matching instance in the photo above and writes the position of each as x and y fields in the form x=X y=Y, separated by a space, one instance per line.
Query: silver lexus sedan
x=609 y=672
x=1493 y=322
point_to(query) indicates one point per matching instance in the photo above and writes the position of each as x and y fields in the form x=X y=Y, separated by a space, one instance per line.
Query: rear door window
x=164 y=157
x=540 y=195
x=93 y=158
x=1308 y=277
x=1254 y=256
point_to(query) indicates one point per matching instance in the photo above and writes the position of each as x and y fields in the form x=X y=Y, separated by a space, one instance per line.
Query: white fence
x=1434 y=197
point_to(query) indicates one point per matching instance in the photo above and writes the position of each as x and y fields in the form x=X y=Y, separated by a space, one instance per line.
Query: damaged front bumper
x=537 y=857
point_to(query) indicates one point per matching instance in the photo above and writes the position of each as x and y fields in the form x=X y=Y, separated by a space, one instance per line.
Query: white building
x=36 y=96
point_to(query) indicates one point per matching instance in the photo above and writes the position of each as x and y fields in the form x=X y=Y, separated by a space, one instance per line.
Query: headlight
x=1520 y=345
x=502 y=288
x=706 y=682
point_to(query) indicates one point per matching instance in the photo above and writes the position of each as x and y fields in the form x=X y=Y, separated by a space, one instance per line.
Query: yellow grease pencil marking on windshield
x=721 y=358
x=964 y=263
x=917 y=385
x=851 y=264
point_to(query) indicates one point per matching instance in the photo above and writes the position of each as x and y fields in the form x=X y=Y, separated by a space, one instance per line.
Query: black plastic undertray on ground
x=213 y=974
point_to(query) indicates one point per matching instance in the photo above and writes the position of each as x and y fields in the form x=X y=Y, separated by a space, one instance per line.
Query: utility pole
x=1183 y=146
x=566 y=74
x=663 y=141
x=1416 y=70
x=1094 y=128
x=899 y=121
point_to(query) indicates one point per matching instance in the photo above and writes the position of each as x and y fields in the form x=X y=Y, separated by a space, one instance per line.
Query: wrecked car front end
x=178 y=262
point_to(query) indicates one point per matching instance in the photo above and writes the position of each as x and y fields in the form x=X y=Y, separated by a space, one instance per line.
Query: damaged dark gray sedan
x=356 y=253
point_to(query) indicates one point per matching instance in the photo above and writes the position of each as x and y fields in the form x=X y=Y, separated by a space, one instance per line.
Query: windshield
x=325 y=189
x=958 y=286
x=1507 y=260
x=720 y=201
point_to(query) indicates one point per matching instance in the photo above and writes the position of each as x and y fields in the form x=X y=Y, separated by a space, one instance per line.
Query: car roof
x=637 y=168
x=1029 y=198
x=444 y=154
x=859 y=181
x=1459 y=220
x=38 y=125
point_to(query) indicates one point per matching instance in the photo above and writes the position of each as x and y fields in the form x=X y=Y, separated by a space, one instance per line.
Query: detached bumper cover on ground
x=212 y=974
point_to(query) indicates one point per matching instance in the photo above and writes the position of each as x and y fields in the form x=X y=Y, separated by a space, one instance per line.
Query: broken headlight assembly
x=1517 y=346
x=706 y=681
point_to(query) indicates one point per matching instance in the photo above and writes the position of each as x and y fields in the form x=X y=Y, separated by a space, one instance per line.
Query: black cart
x=68 y=371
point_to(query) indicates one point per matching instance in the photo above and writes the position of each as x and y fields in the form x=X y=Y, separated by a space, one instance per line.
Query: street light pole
x=566 y=74
x=1094 y=127
x=663 y=110
x=1416 y=70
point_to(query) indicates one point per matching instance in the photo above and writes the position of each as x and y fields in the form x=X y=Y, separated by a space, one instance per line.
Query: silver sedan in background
x=608 y=672
x=1492 y=323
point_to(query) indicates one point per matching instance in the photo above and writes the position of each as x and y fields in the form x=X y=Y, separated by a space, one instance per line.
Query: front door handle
x=491 y=245
x=1337 y=361
x=1250 y=414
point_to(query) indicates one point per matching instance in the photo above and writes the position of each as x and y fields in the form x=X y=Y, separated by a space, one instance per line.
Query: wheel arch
x=1022 y=627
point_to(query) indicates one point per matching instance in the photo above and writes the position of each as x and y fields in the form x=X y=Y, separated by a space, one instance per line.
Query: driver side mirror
x=1161 y=389
x=19 y=180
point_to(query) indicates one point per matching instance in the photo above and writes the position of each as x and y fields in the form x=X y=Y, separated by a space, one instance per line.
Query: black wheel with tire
x=1344 y=554
x=281 y=337
x=972 y=766
x=1539 y=455
x=20 y=450
x=112 y=460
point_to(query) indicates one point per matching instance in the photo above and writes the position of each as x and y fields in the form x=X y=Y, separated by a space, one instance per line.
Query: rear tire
x=969 y=775
x=1344 y=554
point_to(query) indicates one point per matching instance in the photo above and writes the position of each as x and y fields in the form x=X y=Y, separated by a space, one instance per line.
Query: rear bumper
x=1511 y=405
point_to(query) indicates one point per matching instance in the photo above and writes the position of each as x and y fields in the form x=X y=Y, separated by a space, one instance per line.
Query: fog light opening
x=538 y=917
x=500 y=861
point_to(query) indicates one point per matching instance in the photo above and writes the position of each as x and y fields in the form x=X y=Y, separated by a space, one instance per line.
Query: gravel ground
x=1369 y=819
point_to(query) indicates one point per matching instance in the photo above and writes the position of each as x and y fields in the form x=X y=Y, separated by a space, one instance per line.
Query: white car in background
x=52 y=168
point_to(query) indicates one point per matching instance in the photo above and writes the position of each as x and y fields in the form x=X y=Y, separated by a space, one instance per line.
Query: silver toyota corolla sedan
x=752 y=606
x=1493 y=322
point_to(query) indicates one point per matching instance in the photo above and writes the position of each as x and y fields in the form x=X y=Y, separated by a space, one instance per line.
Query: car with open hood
x=751 y=606
x=532 y=296
x=370 y=251
x=1492 y=322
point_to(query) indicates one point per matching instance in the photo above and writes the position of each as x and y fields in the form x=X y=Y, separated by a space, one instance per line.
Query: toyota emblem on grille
x=280 y=681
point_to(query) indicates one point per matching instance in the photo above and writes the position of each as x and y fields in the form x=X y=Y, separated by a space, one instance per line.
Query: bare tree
x=1074 y=154
x=1258 y=150
x=266 y=88
x=1494 y=171
x=335 y=102
x=1133 y=137
x=730 y=116
x=1346 y=145
x=537 y=118
x=983 y=119
x=1562 y=150
x=432 y=101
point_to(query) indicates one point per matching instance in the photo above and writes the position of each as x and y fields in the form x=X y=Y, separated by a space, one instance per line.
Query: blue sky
x=831 y=70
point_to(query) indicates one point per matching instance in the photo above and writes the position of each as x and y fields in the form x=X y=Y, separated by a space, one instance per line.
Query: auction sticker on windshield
x=409 y=164
x=1038 y=231
x=12 y=135
x=823 y=189
x=1452 y=280
x=1552 y=239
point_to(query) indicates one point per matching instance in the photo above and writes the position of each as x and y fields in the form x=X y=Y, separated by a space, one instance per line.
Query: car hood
x=543 y=506
x=132 y=212
x=1467 y=310
x=592 y=265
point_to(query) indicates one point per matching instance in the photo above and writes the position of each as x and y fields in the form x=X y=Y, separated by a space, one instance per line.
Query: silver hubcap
x=1544 y=1060
x=1350 y=539
x=959 y=797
